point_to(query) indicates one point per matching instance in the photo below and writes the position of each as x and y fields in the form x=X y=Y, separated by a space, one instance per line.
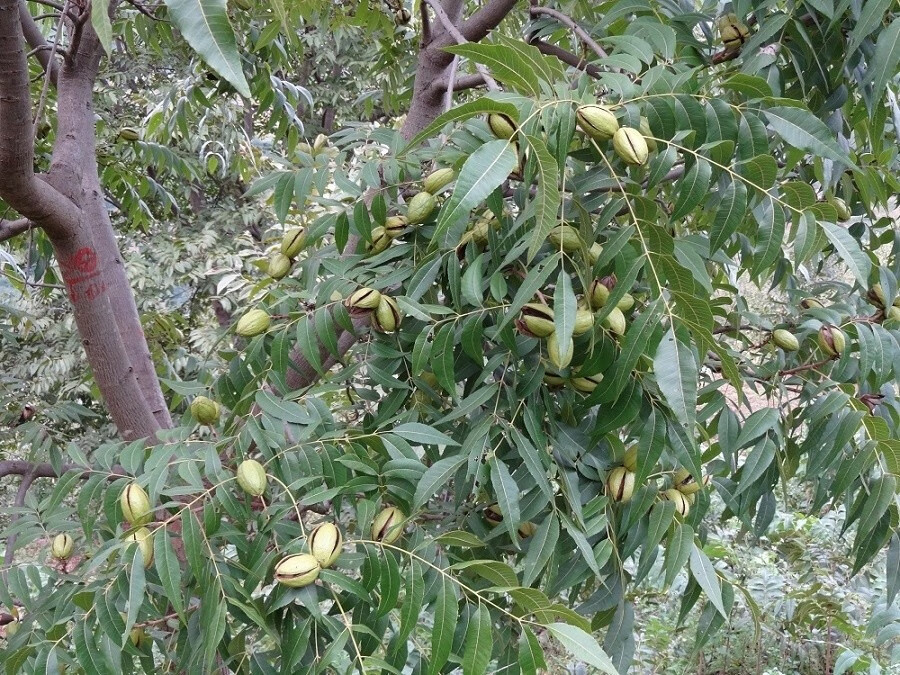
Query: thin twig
x=732 y=329
x=808 y=366
x=49 y=3
x=567 y=57
x=451 y=82
x=568 y=21
x=143 y=10
x=460 y=39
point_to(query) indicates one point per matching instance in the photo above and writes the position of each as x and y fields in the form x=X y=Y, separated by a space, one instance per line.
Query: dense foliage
x=530 y=397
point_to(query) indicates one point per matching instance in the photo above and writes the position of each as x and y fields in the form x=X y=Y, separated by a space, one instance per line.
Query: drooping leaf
x=849 y=250
x=582 y=646
x=446 y=615
x=205 y=26
x=547 y=198
x=479 y=642
x=676 y=375
x=705 y=574
x=805 y=131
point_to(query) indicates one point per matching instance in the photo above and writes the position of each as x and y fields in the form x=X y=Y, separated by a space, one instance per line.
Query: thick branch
x=35 y=39
x=451 y=83
x=13 y=228
x=460 y=83
x=482 y=22
x=455 y=33
x=19 y=186
x=567 y=57
x=468 y=82
x=21 y=467
x=569 y=22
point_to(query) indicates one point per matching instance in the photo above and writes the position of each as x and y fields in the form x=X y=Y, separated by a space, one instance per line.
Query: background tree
x=561 y=357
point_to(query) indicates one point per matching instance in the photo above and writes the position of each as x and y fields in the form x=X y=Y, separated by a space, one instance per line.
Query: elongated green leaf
x=412 y=601
x=849 y=250
x=389 y=584
x=484 y=170
x=101 y=23
x=90 y=658
x=729 y=214
x=531 y=655
x=757 y=462
x=472 y=280
x=885 y=62
x=705 y=575
x=564 y=308
x=547 y=198
x=769 y=235
x=548 y=69
x=582 y=646
x=168 y=569
x=540 y=547
x=482 y=106
x=459 y=538
x=533 y=462
x=442 y=358
x=661 y=516
x=870 y=18
x=498 y=573
x=892 y=568
x=634 y=345
x=192 y=536
x=752 y=86
x=507 y=493
x=881 y=493
x=678 y=550
x=479 y=644
x=213 y=613
x=416 y=432
x=446 y=615
x=503 y=63
x=676 y=375
x=803 y=130
x=435 y=477
x=205 y=26
x=692 y=188
x=756 y=425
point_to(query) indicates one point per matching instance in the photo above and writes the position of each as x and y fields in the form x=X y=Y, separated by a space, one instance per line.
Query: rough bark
x=433 y=65
x=100 y=335
x=121 y=295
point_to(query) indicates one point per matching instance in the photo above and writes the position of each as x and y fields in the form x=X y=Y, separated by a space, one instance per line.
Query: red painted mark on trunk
x=82 y=276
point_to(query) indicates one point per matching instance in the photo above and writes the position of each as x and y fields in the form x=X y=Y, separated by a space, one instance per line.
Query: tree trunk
x=86 y=282
x=433 y=66
x=121 y=295
x=67 y=203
